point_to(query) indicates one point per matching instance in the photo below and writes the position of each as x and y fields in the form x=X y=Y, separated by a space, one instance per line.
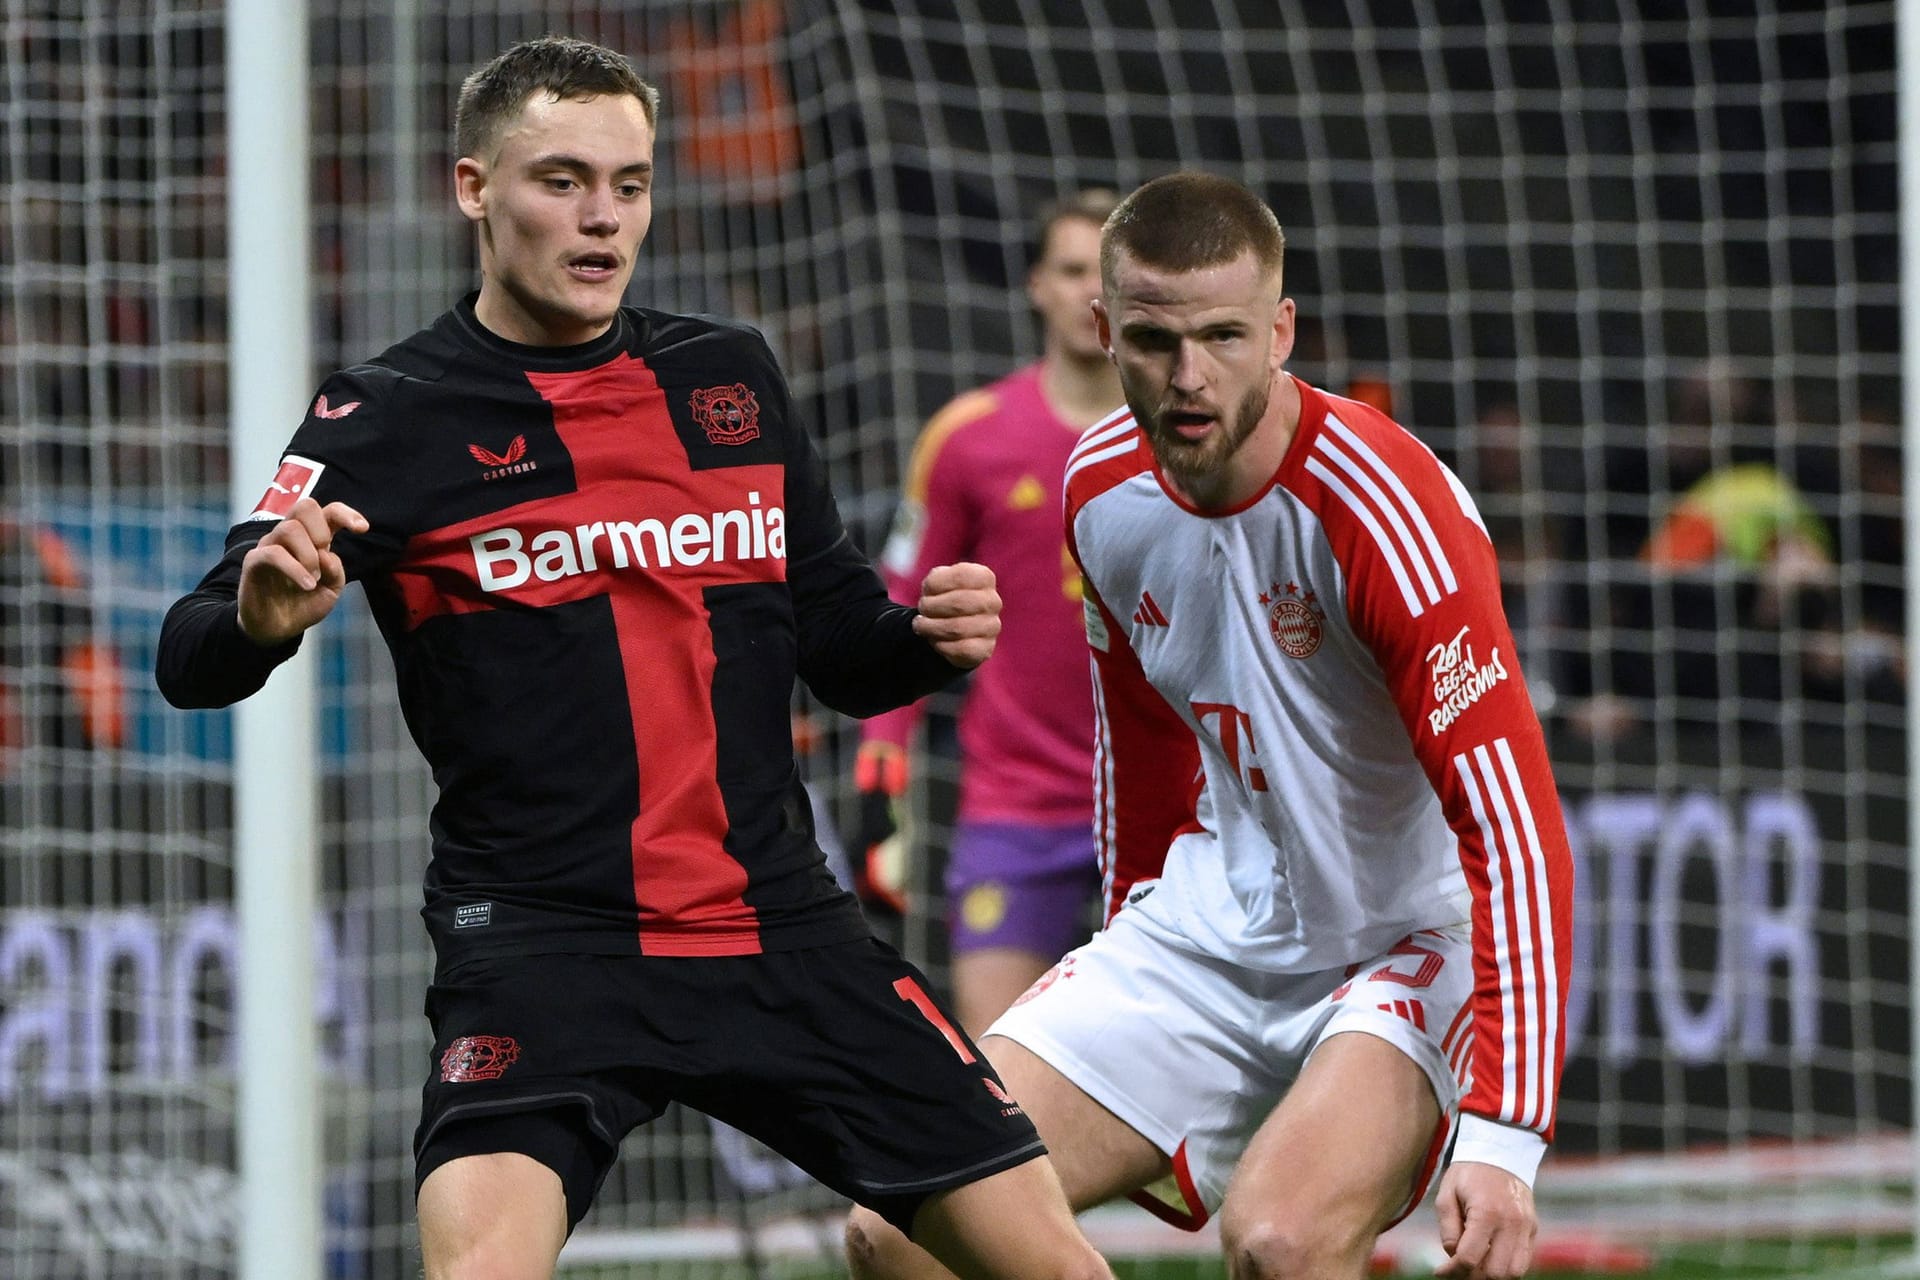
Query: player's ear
x=1103 y=325
x=470 y=187
x=1283 y=331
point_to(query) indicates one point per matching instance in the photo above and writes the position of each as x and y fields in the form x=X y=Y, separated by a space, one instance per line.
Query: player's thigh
x=1342 y=1151
x=1013 y=1224
x=985 y=982
x=502 y=1216
x=1096 y=1155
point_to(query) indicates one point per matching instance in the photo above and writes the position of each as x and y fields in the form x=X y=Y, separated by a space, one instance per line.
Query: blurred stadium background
x=1617 y=262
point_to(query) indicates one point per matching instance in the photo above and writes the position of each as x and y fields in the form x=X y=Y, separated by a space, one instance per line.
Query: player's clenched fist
x=291 y=578
x=960 y=613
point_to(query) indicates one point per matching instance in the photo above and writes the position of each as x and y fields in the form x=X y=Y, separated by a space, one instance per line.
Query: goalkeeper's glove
x=879 y=835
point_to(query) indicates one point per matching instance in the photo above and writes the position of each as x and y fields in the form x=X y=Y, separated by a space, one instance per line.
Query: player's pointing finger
x=341 y=517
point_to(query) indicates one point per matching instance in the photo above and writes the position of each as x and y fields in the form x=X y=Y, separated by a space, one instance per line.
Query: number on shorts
x=1422 y=977
x=909 y=990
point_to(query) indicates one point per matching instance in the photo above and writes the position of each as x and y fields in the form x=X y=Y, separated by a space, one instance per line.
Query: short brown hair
x=565 y=68
x=1186 y=221
x=1091 y=204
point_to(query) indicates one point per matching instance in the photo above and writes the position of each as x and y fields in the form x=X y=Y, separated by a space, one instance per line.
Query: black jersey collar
x=584 y=355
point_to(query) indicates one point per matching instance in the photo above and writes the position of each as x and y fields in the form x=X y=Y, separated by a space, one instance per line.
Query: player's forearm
x=864 y=668
x=204 y=659
x=858 y=652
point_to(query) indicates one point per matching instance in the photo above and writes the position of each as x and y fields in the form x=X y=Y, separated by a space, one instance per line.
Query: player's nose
x=599 y=212
x=1189 y=373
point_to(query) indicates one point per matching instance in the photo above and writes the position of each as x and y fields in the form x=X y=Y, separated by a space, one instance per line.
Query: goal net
x=1631 y=269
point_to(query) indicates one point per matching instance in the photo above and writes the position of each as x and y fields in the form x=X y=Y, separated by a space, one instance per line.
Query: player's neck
x=1080 y=390
x=506 y=317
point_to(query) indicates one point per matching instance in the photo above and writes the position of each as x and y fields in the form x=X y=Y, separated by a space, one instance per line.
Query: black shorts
x=832 y=1056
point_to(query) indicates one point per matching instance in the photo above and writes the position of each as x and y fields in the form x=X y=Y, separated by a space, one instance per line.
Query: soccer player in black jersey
x=600 y=549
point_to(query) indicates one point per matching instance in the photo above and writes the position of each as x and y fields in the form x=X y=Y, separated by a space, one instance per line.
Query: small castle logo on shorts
x=478 y=1058
x=729 y=415
x=1008 y=1107
x=984 y=908
x=473 y=915
x=1295 y=618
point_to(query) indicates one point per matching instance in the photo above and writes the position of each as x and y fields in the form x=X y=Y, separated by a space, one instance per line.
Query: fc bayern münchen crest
x=729 y=415
x=1296 y=619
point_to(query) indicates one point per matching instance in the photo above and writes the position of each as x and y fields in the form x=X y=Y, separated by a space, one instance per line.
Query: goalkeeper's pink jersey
x=1309 y=709
x=985 y=485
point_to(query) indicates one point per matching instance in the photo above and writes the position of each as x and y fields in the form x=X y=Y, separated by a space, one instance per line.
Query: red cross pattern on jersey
x=630 y=466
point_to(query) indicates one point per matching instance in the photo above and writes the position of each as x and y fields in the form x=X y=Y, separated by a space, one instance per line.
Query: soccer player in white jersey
x=1345 y=949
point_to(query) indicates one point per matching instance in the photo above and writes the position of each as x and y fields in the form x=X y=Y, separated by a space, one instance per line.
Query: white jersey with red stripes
x=1309 y=709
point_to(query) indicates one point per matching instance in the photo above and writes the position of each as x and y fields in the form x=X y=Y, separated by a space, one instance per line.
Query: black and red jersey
x=599 y=569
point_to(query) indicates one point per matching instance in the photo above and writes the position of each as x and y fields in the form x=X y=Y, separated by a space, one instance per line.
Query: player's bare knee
x=1268 y=1252
x=1087 y=1265
x=1293 y=1247
x=1077 y=1260
x=870 y=1241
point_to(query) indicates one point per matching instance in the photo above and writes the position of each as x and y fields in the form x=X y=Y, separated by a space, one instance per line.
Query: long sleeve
x=204 y=659
x=934 y=526
x=1424 y=595
x=858 y=651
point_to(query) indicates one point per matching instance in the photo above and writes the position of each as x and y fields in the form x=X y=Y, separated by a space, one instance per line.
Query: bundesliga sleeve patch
x=293 y=481
x=1096 y=625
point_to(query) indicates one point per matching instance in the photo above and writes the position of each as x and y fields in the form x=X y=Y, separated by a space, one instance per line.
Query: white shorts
x=1194 y=1053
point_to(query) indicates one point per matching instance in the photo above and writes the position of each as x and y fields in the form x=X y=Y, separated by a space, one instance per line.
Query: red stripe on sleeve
x=1424 y=595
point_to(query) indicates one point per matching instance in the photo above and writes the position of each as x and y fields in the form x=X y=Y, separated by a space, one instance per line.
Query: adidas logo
x=1412 y=1010
x=1148 y=614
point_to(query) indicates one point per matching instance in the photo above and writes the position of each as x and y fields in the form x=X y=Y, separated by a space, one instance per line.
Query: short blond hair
x=1186 y=221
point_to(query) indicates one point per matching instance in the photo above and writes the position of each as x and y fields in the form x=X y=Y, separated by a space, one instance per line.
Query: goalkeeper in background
x=985 y=485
